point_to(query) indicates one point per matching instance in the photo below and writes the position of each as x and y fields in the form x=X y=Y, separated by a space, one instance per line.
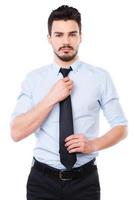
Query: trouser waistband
x=65 y=174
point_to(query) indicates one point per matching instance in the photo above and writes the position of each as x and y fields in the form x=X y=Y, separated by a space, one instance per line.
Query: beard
x=65 y=57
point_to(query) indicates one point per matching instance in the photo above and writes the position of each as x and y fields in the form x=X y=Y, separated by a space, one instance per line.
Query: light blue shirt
x=93 y=90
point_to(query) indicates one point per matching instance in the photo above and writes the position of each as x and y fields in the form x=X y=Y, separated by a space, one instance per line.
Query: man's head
x=64 y=32
x=64 y=13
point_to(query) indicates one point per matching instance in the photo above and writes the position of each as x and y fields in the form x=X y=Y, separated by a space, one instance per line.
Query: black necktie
x=66 y=127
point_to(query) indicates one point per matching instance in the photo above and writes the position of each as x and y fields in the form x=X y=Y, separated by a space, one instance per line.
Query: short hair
x=64 y=12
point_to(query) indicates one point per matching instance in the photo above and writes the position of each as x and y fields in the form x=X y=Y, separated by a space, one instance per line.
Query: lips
x=66 y=48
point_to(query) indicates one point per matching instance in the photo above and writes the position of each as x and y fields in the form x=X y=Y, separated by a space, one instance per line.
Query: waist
x=64 y=174
x=51 y=157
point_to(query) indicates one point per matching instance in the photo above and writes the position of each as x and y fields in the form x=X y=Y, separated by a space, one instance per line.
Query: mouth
x=66 y=48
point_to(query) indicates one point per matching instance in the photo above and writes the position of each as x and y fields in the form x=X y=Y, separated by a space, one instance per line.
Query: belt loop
x=44 y=170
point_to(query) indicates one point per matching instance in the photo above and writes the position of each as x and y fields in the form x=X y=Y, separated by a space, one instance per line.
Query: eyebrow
x=57 y=32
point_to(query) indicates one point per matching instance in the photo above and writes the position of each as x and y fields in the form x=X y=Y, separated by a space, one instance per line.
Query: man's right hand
x=61 y=90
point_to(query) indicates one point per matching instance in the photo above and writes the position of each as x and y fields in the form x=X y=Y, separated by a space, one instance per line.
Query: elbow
x=125 y=132
x=15 y=133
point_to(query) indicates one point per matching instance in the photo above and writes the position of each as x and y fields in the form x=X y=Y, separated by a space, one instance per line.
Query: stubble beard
x=66 y=58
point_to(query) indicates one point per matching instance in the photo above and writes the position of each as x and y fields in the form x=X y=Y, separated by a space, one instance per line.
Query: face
x=65 y=39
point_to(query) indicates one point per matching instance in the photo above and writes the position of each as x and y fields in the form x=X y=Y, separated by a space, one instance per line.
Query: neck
x=65 y=64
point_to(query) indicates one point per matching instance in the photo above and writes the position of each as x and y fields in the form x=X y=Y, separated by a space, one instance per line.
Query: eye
x=73 y=34
x=58 y=35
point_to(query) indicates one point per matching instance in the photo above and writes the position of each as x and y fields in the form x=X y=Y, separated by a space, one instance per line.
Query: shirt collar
x=75 y=66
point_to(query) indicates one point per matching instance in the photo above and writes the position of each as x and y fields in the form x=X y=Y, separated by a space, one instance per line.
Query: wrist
x=50 y=101
x=94 y=145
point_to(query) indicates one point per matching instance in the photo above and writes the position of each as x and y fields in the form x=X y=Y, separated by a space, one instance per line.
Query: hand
x=79 y=143
x=61 y=90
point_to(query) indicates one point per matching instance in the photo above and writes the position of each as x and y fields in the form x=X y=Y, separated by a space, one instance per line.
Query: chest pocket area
x=81 y=112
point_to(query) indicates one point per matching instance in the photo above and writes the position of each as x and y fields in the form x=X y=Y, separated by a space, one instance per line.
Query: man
x=60 y=103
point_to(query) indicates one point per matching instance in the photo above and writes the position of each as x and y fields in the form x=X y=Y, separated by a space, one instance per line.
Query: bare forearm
x=27 y=123
x=109 y=139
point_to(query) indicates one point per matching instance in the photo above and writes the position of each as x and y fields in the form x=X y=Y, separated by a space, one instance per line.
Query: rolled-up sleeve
x=25 y=100
x=110 y=104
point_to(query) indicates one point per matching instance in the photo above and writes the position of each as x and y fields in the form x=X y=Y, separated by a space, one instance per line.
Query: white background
x=108 y=42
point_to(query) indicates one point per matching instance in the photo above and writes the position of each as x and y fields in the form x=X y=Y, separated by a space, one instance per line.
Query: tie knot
x=65 y=71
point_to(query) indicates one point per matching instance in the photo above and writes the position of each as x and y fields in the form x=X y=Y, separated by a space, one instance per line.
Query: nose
x=65 y=40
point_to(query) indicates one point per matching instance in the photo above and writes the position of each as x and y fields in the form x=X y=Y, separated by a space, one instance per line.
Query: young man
x=60 y=103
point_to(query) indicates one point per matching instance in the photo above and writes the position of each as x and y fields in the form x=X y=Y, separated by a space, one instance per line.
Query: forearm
x=109 y=139
x=25 y=124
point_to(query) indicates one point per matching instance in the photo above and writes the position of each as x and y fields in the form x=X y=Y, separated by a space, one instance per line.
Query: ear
x=49 y=38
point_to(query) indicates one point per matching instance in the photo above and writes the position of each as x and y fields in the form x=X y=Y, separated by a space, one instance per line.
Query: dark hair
x=64 y=13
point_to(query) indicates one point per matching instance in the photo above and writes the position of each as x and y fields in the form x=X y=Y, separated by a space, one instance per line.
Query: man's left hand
x=79 y=143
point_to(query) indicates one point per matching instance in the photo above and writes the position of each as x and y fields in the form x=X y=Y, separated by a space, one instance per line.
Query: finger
x=70 y=142
x=69 y=83
x=74 y=145
x=70 y=87
x=66 y=79
x=73 y=136
x=75 y=150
